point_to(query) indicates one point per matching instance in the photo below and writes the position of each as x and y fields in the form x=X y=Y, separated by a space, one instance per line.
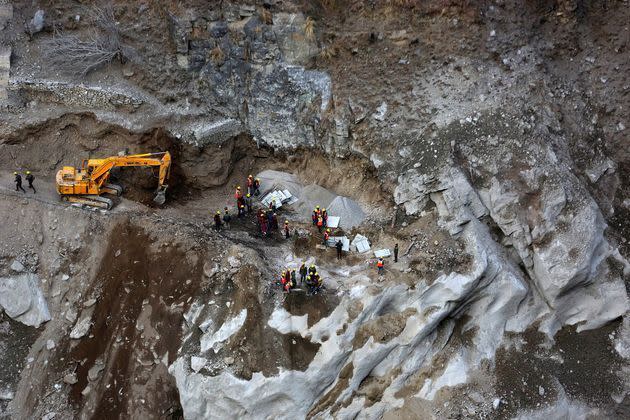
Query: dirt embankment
x=142 y=291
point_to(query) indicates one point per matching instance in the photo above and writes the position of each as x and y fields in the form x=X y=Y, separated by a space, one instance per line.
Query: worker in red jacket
x=326 y=236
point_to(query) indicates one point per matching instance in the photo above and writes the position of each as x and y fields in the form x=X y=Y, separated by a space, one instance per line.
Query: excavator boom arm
x=101 y=167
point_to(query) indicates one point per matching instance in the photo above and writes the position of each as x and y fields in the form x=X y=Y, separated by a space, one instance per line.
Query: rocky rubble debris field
x=488 y=140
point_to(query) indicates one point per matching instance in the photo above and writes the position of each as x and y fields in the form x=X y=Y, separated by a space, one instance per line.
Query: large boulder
x=22 y=299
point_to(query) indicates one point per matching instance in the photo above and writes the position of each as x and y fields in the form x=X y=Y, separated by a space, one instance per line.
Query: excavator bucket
x=160 y=196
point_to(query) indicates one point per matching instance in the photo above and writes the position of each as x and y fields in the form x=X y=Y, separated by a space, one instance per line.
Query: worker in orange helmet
x=250 y=184
x=286 y=229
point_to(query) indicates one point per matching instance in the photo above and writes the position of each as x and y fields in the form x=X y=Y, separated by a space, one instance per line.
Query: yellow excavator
x=87 y=184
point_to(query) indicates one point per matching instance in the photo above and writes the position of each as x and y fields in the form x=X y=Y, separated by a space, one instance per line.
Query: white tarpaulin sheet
x=332 y=241
x=333 y=222
x=382 y=253
x=269 y=197
x=290 y=198
x=360 y=243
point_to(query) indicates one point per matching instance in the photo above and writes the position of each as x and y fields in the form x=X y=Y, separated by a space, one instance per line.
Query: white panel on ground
x=344 y=240
x=382 y=253
x=360 y=243
x=333 y=222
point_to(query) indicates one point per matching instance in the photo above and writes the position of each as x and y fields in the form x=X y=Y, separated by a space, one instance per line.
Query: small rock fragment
x=89 y=303
x=17 y=266
x=50 y=344
x=197 y=363
x=81 y=327
x=70 y=379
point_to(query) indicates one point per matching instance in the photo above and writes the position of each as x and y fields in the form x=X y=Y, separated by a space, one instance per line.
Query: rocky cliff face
x=494 y=132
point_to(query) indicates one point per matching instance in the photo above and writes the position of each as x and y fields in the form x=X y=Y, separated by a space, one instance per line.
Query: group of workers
x=29 y=178
x=309 y=277
x=320 y=218
x=266 y=218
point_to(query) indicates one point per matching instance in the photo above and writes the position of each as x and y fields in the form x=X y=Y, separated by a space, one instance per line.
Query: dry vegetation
x=73 y=54
x=309 y=28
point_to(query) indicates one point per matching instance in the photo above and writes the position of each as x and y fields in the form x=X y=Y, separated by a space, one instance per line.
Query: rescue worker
x=381 y=266
x=272 y=205
x=315 y=283
x=248 y=203
x=339 y=246
x=239 y=197
x=325 y=217
x=310 y=283
x=18 y=182
x=312 y=269
x=269 y=219
x=264 y=226
x=314 y=217
x=285 y=281
x=30 y=178
x=250 y=185
x=396 y=253
x=217 y=220
x=257 y=186
x=227 y=218
x=274 y=222
x=293 y=279
x=241 y=211
x=287 y=234
x=303 y=272
x=320 y=223
x=326 y=236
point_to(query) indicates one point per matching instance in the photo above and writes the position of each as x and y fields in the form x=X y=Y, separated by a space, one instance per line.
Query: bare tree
x=78 y=55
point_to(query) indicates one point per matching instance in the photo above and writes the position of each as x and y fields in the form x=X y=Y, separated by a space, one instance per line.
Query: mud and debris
x=488 y=140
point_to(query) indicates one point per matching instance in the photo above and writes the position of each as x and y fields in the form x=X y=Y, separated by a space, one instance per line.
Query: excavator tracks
x=112 y=189
x=90 y=200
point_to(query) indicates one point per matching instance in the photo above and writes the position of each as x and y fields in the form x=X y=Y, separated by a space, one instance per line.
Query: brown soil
x=16 y=340
x=131 y=273
x=588 y=371
x=316 y=307
x=383 y=328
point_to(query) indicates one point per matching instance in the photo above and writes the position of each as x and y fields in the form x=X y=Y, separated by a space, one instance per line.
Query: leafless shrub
x=329 y=52
x=266 y=17
x=309 y=28
x=217 y=55
x=78 y=55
